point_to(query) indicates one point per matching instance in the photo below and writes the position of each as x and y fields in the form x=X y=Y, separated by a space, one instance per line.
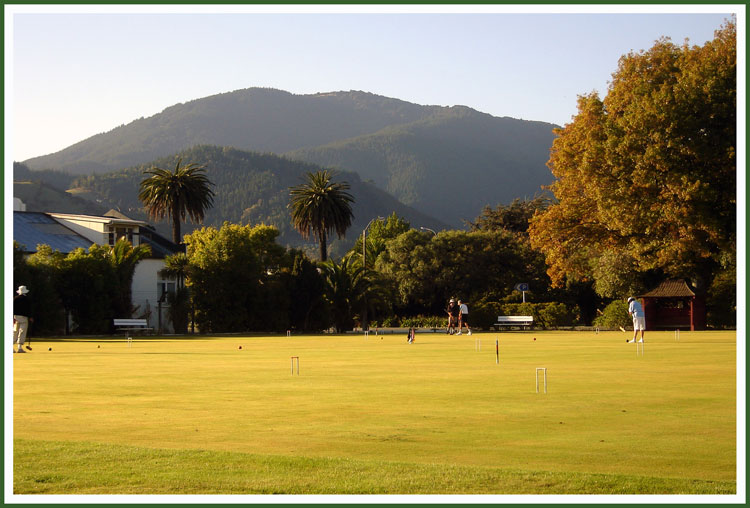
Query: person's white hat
x=630 y=299
x=22 y=290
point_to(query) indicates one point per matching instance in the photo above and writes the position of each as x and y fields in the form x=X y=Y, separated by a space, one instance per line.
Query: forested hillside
x=258 y=119
x=448 y=162
x=251 y=188
x=449 y=165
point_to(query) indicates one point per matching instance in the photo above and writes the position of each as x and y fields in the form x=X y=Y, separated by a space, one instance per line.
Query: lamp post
x=364 y=268
x=427 y=229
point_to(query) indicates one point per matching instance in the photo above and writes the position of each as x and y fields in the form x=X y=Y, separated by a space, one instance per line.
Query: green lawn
x=377 y=415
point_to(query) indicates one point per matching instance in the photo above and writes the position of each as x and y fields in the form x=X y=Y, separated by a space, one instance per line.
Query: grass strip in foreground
x=67 y=467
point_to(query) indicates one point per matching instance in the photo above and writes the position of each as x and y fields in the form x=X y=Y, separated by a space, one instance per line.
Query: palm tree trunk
x=323 y=247
x=176 y=224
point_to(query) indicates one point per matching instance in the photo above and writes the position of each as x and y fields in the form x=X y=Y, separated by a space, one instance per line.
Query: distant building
x=672 y=305
x=67 y=232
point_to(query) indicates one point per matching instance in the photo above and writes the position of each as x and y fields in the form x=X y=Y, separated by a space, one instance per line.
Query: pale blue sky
x=74 y=75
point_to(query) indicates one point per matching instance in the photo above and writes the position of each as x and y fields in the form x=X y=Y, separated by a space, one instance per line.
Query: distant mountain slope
x=258 y=119
x=448 y=162
x=41 y=197
x=251 y=188
x=449 y=165
x=44 y=191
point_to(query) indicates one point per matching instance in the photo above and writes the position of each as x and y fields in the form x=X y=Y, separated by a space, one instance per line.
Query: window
x=115 y=233
x=164 y=288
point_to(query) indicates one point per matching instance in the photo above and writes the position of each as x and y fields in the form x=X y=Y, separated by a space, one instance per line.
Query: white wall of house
x=91 y=230
x=147 y=287
x=101 y=230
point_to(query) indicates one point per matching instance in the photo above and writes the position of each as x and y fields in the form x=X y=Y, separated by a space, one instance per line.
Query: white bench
x=131 y=325
x=522 y=321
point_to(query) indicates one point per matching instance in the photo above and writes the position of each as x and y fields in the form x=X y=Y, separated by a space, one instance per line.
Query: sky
x=73 y=72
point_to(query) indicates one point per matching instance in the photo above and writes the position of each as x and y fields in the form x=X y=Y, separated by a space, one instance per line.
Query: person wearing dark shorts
x=453 y=314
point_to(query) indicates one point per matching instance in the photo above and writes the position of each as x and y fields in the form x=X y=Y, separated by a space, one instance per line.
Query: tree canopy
x=646 y=178
x=321 y=206
x=177 y=194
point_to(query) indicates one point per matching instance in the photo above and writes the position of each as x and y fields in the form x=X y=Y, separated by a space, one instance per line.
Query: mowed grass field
x=375 y=415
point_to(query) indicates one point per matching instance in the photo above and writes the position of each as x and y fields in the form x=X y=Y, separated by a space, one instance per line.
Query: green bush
x=389 y=322
x=424 y=322
x=554 y=314
x=484 y=314
x=179 y=309
x=546 y=315
x=614 y=316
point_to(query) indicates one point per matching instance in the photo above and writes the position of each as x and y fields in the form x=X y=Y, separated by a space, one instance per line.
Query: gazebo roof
x=673 y=288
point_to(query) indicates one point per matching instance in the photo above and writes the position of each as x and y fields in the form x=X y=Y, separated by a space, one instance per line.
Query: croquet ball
x=50 y=349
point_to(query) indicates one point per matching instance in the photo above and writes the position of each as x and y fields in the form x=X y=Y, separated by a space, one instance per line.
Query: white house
x=66 y=232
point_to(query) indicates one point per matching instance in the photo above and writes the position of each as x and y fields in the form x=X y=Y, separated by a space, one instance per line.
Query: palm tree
x=124 y=257
x=349 y=287
x=321 y=206
x=180 y=193
x=176 y=266
x=180 y=303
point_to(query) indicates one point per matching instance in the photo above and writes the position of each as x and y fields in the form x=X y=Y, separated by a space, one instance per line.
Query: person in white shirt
x=463 y=318
x=639 y=317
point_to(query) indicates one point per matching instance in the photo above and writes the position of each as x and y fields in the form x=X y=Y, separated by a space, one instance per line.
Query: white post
x=544 y=375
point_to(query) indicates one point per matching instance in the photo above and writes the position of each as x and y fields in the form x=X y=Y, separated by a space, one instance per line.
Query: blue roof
x=34 y=228
x=160 y=246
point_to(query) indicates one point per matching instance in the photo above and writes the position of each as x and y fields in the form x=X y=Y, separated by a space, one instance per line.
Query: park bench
x=522 y=321
x=131 y=325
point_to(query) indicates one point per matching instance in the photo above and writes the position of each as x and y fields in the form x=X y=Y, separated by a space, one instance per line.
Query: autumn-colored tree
x=646 y=178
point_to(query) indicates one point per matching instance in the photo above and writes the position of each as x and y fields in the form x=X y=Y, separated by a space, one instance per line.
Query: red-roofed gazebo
x=672 y=305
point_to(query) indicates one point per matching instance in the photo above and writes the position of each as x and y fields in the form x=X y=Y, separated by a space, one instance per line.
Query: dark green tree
x=177 y=266
x=124 y=258
x=348 y=288
x=322 y=207
x=428 y=270
x=40 y=273
x=380 y=231
x=308 y=309
x=88 y=287
x=234 y=274
x=514 y=217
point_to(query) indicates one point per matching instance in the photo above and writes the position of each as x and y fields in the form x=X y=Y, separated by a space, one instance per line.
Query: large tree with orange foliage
x=646 y=177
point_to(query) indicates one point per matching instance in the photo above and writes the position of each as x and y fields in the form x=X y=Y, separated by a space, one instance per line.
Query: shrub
x=554 y=314
x=484 y=314
x=614 y=316
x=424 y=322
x=179 y=309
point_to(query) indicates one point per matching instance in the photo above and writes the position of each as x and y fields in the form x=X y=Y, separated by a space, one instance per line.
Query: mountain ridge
x=447 y=161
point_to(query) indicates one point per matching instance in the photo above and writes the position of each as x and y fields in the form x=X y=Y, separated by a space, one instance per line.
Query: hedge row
x=484 y=314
